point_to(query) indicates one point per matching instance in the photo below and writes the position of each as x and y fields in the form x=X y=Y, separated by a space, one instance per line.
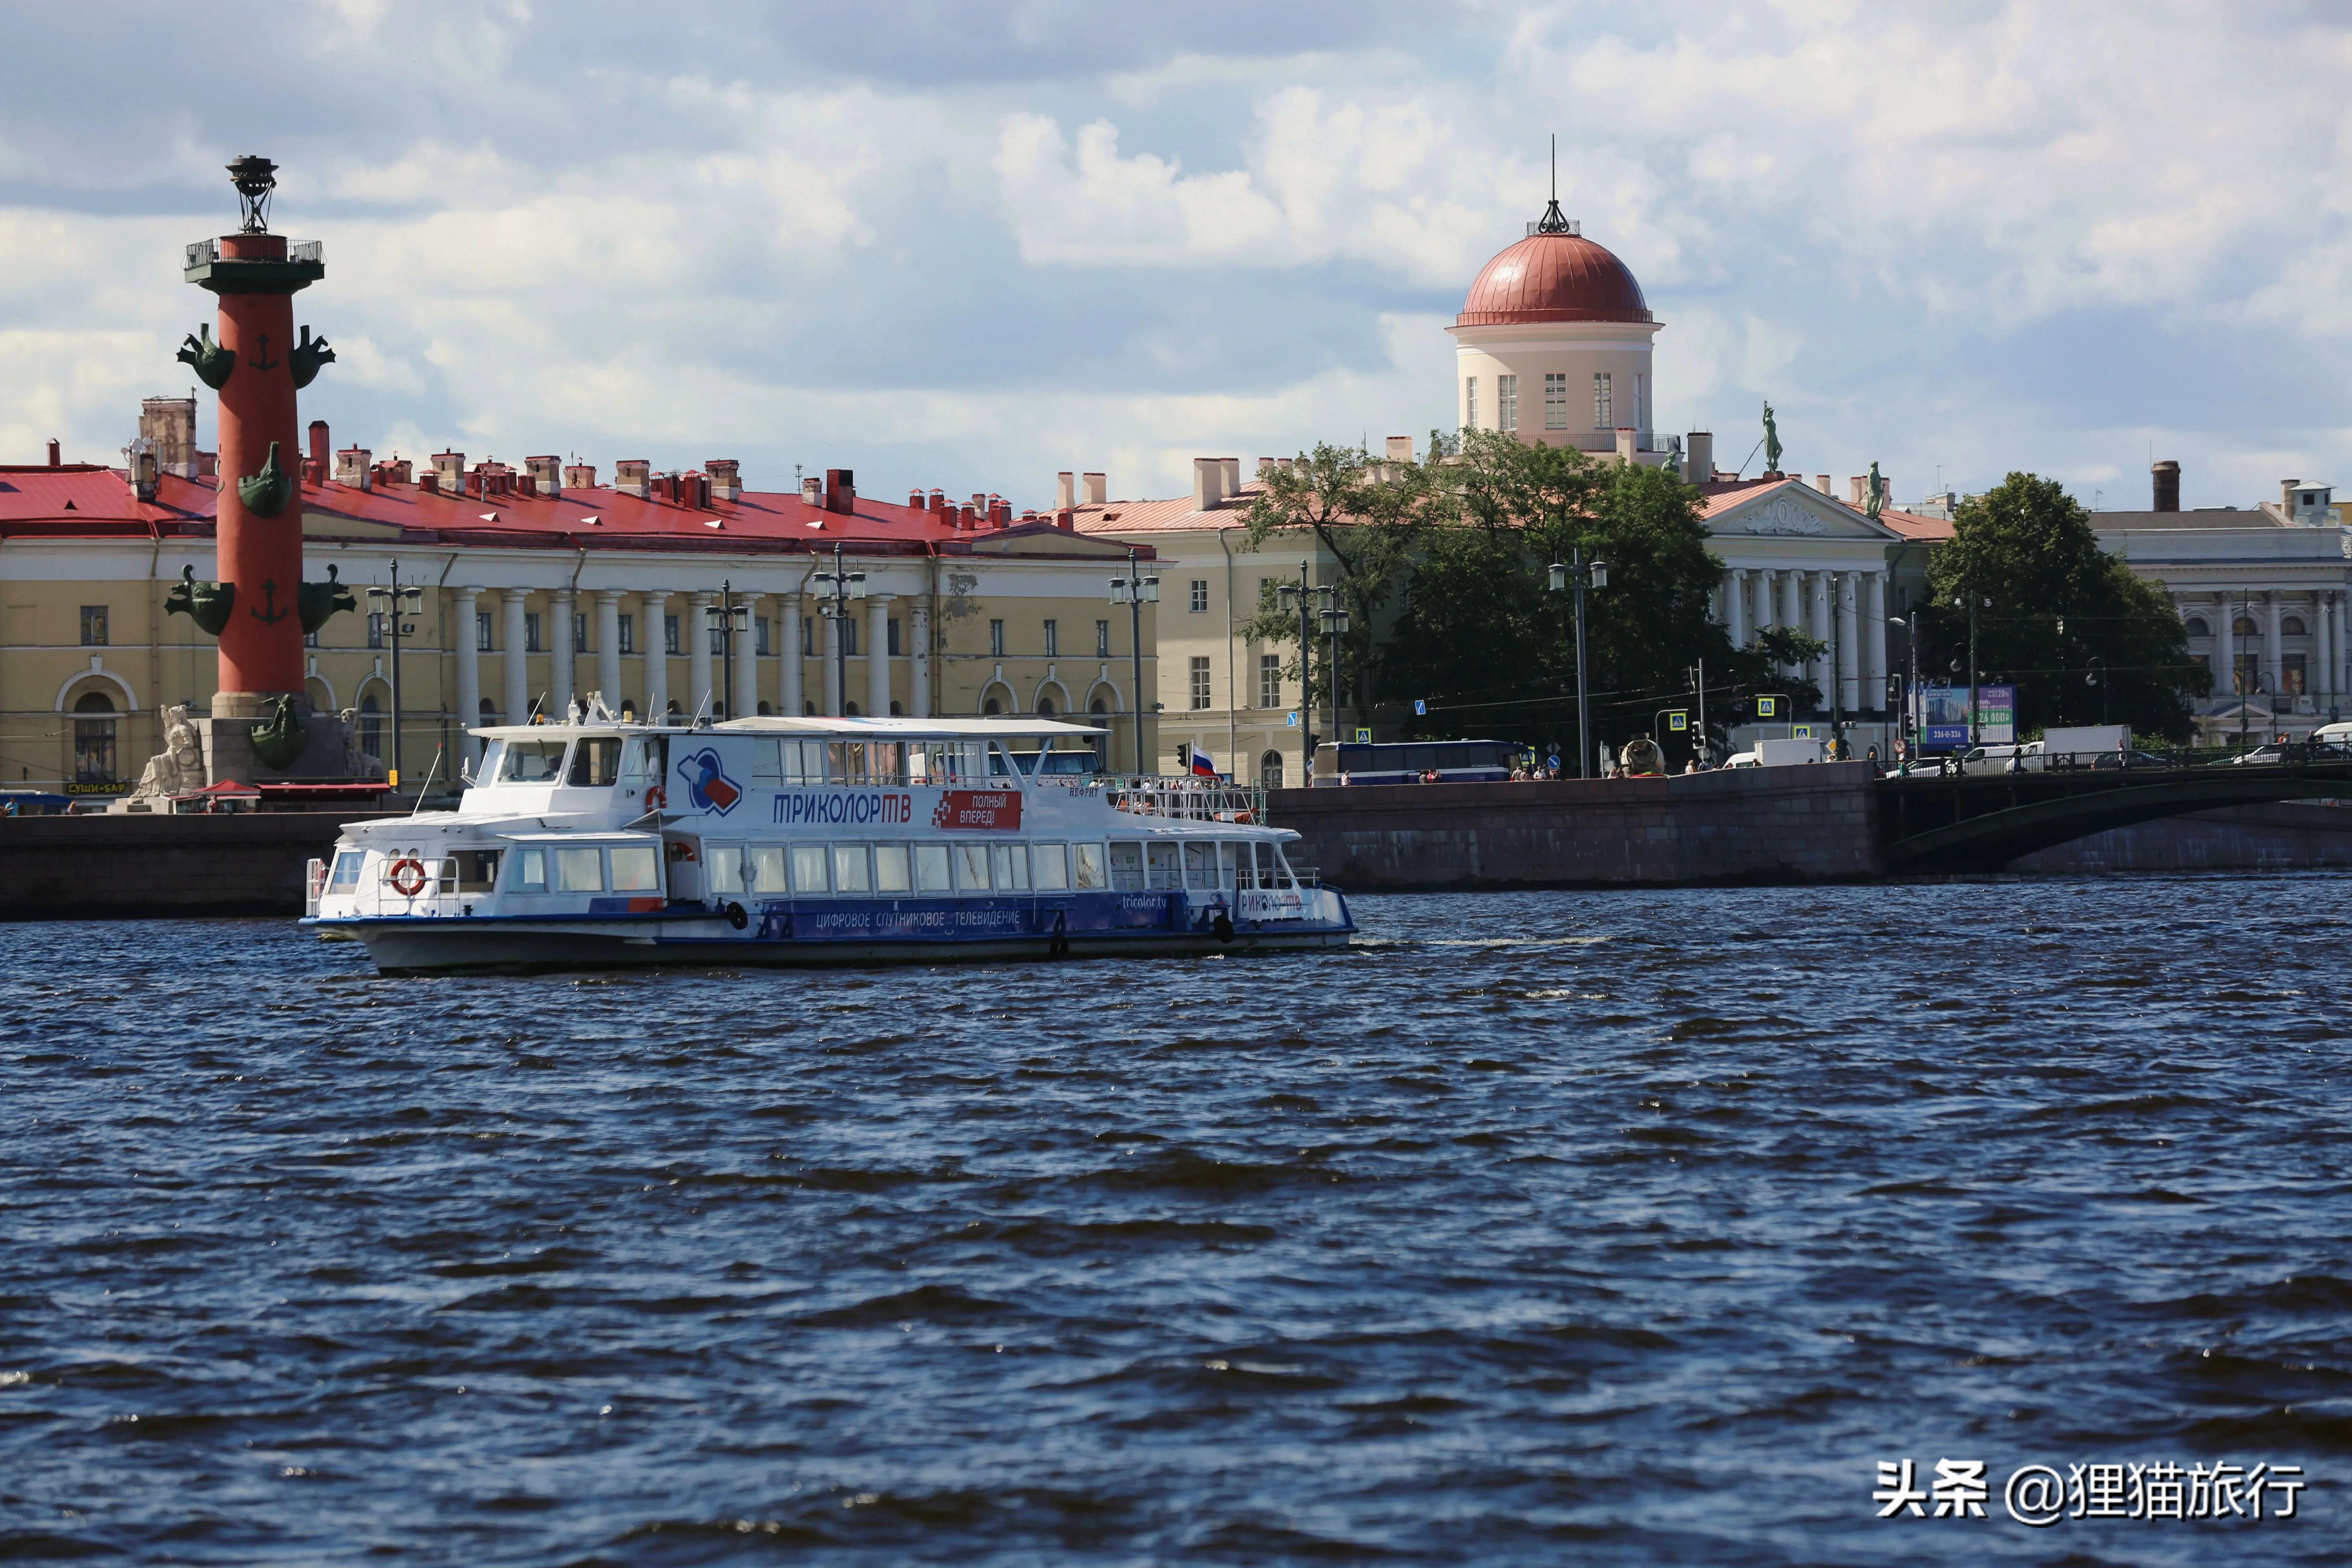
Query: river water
x=1623 y=1227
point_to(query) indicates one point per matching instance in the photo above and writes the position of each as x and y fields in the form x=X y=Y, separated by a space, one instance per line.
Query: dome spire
x=1552 y=221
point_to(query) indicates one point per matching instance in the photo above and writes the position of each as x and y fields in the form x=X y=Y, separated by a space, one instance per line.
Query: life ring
x=407 y=877
x=654 y=799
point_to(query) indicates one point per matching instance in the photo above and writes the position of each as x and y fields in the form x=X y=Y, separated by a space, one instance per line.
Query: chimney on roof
x=634 y=477
x=1265 y=467
x=1066 y=491
x=965 y=521
x=1208 y=483
x=1399 y=449
x=57 y=459
x=726 y=477
x=1231 y=470
x=1857 y=488
x=1067 y=520
x=1627 y=438
x=546 y=473
x=320 y=448
x=812 y=493
x=352 y=467
x=938 y=502
x=1821 y=483
x=579 y=477
x=1698 y=457
x=2286 y=487
x=2164 y=478
x=171 y=424
x=139 y=464
x=840 y=490
x=915 y=499
x=1095 y=487
x=429 y=481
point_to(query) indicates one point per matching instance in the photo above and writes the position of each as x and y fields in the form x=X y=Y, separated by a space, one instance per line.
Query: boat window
x=1052 y=863
x=726 y=867
x=477 y=871
x=1000 y=762
x=971 y=868
x=1200 y=867
x=1127 y=868
x=595 y=763
x=1281 y=875
x=346 y=879
x=641 y=760
x=844 y=761
x=764 y=869
x=532 y=761
x=767 y=767
x=889 y=762
x=1229 y=856
x=636 y=868
x=850 y=873
x=943 y=761
x=808 y=869
x=1013 y=867
x=930 y=868
x=530 y=871
x=802 y=761
x=1161 y=861
x=579 y=871
x=493 y=754
x=892 y=872
x=1087 y=867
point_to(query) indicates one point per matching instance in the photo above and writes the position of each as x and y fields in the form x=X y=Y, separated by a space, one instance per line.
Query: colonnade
x=1845 y=610
x=2324 y=677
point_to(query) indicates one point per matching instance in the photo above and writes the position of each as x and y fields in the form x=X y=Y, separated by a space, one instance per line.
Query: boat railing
x=1184 y=797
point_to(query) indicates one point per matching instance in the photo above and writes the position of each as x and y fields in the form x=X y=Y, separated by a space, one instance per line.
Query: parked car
x=2131 y=760
x=2271 y=753
x=1995 y=759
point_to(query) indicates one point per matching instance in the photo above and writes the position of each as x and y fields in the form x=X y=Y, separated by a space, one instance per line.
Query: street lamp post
x=1333 y=619
x=1581 y=573
x=1911 y=682
x=839 y=585
x=1135 y=590
x=726 y=617
x=1971 y=604
x=398 y=602
x=1335 y=622
x=2098 y=677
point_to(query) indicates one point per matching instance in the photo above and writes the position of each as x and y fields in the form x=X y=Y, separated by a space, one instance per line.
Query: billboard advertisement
x=1943 y=717
x=1997 y=715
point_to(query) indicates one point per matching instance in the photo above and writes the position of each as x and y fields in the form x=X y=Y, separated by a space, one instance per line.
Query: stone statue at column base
x=201 y=749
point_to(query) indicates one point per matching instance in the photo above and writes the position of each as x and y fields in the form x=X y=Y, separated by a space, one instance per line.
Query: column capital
x=515 y=595
x=611 y=595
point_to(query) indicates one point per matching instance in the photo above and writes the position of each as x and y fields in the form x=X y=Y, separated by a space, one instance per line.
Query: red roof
x=1553 y=278
x=90 y=500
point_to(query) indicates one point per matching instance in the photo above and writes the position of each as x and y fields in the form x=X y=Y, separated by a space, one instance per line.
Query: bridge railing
x=2270 y=753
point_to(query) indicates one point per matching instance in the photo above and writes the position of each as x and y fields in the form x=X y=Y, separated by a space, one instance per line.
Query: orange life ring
x=407 y=877
x=656 y=799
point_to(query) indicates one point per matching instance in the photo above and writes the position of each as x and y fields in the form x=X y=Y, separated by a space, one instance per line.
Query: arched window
x=628 y=709
x=1269 y=770
x=808 y=710
x=849 y=710
x=897 y=710
x=765 y=710
x=1045 y=707
x=2197 y=628
x=94 y=739
x=489 y=712
x=1098 y=706
x=2245 y=629
x=2293 y=627
x=989 y=709
x=674 y=711
x=371 y=725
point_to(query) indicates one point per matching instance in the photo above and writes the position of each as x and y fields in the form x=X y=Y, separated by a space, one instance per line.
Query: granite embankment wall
x=61 y=868
x=1815 y=824
x=2295 y=836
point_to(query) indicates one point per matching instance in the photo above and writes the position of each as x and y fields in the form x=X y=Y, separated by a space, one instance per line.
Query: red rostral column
x=257 y=368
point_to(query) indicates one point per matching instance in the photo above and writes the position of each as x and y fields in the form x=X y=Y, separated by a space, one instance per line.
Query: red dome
x=1553 y=278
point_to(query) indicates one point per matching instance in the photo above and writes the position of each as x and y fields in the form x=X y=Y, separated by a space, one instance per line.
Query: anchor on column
x=269 y=600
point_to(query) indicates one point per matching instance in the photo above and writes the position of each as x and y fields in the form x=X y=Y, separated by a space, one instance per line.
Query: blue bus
x=1405 y=761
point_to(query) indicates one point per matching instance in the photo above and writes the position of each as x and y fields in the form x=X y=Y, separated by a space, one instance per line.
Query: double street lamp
x=398 y=603
x=1333 y=617
x=1579 y=574
x=1135 y=590
x=726 y=617
x=839 y=586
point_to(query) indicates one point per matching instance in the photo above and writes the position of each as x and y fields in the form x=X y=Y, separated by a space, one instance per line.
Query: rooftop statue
x=1877 y=502
x=1771 y=442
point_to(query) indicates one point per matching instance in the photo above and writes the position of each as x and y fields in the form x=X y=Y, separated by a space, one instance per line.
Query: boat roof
x=873 y=729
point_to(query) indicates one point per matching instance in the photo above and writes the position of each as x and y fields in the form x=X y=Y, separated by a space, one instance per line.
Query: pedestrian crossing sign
x=1679 y=722
x=1363 y=736
x=1767 y=707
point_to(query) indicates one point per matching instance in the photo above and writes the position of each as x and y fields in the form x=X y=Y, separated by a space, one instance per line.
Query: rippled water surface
x=1599 y=1227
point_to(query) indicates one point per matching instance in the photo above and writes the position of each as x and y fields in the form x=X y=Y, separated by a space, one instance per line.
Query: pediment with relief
x=1798 y=511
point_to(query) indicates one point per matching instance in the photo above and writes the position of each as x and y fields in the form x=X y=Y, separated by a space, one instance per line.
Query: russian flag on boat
x=1202 y=764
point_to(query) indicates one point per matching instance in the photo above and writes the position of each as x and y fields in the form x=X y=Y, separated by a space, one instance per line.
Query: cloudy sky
x=965 y=244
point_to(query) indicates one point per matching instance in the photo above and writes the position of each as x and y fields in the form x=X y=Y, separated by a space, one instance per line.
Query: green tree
x=2056 y=616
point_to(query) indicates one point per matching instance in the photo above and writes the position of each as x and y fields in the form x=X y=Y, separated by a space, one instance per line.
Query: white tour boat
x=814 y=841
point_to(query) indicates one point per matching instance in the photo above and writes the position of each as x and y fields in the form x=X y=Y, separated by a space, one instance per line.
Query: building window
x=669 y=634
x=1506 y=403
x=1053 y=639
x=2293 y=627
x=762 y=639
x=1269 y=680
x=1604 y=403
x=2245 y=628
x=2291 y=668
x=894 y=652
x=1200 y=683
x=1556 y=400
x=627 y=634
x=530 y=635
x=483 y=636
x=309 y=640
x=849 y=637
x=718 y=639
x=580 y=632
x=370 y=726
x=1641 y=401
x=996 y=639
x=93 y=626
x=375 y=629
x=1269 y=770
x=808 y=638
x=2197 y=628
x=1469 y=403
x=93 y=736
x=2250 y=673
x=1102 y=639
x=1199 y=604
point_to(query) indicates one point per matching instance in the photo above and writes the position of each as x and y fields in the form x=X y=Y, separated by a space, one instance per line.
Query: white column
x=702 y=693
x=794 y=695
x=745 y=698
x=2225 y=645
x=830 y=650
x=878 y=654
x=517 y=661
x=2334 y=611
x=1817 y=586
x=560 y=671
x=919 y=644
x=1735 y=585
x=651 y=609
x=2273 y=605
x=608 y=648
x=1874 y=641
x=1849 y=655
x=1792 y=611
x=469 y=673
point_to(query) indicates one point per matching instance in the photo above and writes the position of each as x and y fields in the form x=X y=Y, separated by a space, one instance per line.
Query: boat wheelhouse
x=814 y=841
